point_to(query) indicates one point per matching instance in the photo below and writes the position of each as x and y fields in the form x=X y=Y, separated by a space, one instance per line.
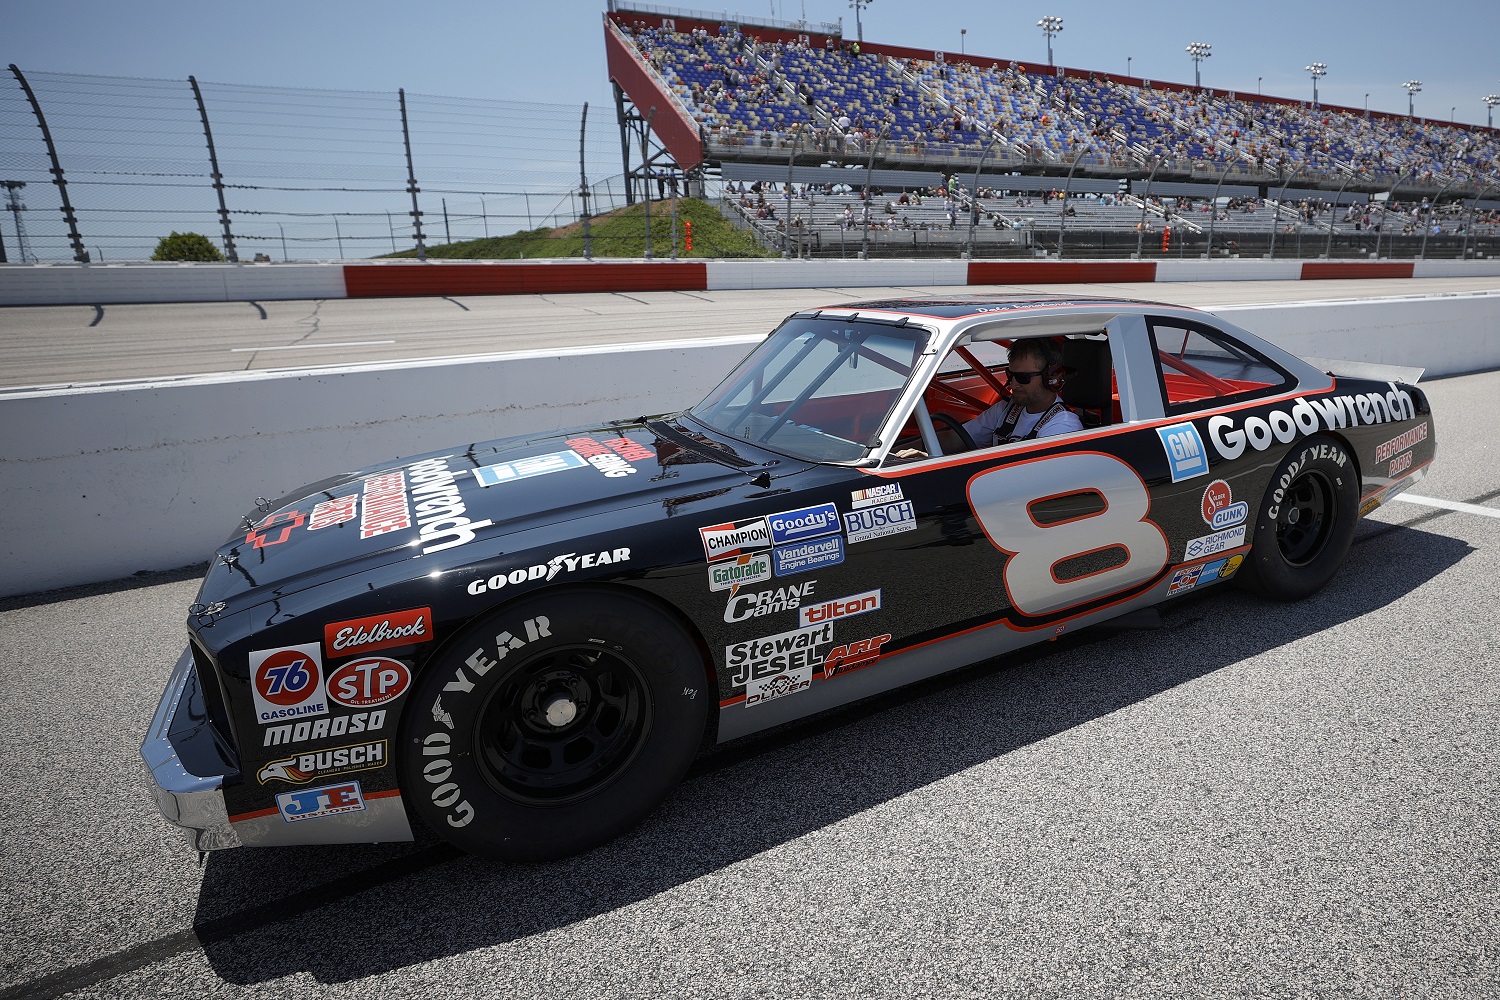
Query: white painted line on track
x=1466 y=508
x=304 y=347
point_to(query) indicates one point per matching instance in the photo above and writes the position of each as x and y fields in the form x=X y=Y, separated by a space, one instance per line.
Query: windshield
x=818 y=389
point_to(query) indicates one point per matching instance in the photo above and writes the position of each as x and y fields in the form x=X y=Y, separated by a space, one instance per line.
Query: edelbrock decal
x=1308 y=416
x=365 y=635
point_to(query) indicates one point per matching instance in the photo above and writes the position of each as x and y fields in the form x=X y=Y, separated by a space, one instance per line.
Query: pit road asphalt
x=1257 y=799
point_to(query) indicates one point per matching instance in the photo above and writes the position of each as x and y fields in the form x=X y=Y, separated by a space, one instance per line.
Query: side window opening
x=1199 y=368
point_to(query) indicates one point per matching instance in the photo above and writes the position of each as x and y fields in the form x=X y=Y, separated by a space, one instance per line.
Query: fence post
x=411 y=181
x=583 y=184
x=447 y=230
x=218 y=178
x=79 y=253
x=338 y=235
x=646 y=177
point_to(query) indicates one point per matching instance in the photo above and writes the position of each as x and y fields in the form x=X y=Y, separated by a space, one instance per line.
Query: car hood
x=434 y=507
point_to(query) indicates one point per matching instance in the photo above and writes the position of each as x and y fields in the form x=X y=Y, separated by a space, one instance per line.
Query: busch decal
x=525 y=468
x=287 y=683
x=1185 y=455
x=799 y=525
x=369 y=681
x=877 y=522
x=843 y=607
x=317 y=803
x=725 y=541
x=365 y=635
x=302 y=768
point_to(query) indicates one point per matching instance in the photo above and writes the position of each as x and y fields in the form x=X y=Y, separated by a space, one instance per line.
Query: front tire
x=553 y=725
x=1306 y=522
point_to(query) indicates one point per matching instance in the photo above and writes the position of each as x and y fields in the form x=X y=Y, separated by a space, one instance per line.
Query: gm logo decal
x=1185 y=455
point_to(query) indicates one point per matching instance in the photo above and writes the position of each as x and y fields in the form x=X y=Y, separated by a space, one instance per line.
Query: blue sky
x=551 y=51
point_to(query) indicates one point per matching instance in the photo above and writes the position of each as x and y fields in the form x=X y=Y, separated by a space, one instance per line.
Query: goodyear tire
x=1306 y=522
x=553 y=725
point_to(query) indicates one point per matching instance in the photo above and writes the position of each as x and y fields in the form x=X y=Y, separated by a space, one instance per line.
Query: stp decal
x=367 y=682
x=1185 y=455
x=288 y=683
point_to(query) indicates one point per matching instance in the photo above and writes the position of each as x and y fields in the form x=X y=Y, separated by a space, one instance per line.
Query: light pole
x=1317 y=70
x=1199 y=51
x=962 y=36
x=1412 y=88
x=1367 y=105
x=1050 y=26
x=1127 y=64
x=1490 y=100
x=1258 y=79
x=859 y=27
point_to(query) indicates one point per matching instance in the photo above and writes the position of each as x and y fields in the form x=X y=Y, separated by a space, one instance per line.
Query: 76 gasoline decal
x=288 y=683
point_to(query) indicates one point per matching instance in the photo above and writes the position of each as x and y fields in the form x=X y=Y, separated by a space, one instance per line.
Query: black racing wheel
x=1306 y=522
x=957 y=429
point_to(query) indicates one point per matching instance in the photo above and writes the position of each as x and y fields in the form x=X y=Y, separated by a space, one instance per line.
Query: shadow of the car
x=765 y=791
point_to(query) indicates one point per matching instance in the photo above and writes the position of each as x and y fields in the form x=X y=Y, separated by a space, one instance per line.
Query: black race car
x=523 y=643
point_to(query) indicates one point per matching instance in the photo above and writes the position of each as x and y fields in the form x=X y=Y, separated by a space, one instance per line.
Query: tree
x=186 y=246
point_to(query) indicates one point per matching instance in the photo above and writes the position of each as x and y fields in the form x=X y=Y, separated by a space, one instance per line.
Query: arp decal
x=368 y=681
x=287 y=683
x=742 y=571
x=365 y=635
x=877 y=522
x=843 y=607
x=853 y=656
x=756 y=659
x=734 y=539
x=806 y=556
x=1219 y=509
x=302 y=768
x=525 y=468
x=1185 y=454
x=1308 y=416
x=799 y=525
x=319 y=803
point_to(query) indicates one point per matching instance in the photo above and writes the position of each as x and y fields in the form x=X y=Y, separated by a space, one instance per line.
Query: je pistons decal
x=726 y=541
x=316 y=803
x=287 y=683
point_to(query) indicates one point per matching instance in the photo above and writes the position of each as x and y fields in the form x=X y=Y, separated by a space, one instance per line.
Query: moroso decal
x=287 y=683
x=304 y=767
x=1185 y=455
x=365 y=635
x=312 y=730
x=1308 y=416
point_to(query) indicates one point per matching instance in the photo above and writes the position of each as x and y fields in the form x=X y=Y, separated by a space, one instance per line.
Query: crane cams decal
x=765 y=602
x=1308 y=416
x=437 y=745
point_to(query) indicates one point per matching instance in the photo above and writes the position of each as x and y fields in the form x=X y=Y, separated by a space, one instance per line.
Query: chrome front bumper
x=180 y=734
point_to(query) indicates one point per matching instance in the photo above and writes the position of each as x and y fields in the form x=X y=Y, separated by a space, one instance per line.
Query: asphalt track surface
x=66 y=345
x=1254 y=800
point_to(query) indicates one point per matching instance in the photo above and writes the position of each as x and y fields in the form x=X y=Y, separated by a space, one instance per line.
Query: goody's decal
x=755 y=659
x=877 y=522
x=365 y=635
x=525 y=468
x=317 y=803
x=368 y=681
x=1308 y=416
x=1219 y=509
x=287 y=683
x=842 y=607
x=804 y=556
x=875 y=495
x=799 y=525
x=755 y=604
x=1185 y=455
x=302 y=768
x=724 y=541
x=743 y=570
x=1207 y=545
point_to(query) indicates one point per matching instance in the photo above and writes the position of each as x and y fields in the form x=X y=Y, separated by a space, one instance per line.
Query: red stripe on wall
x=1053 y=272
x=1325 y=270
x=364 y=281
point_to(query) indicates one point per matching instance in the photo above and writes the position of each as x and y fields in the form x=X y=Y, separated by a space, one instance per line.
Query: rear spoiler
x=1369 y=370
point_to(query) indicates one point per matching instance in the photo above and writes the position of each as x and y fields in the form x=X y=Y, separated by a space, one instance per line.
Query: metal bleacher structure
x=822 y=146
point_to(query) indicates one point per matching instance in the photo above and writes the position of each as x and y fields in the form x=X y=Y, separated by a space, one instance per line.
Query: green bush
x=186 y=246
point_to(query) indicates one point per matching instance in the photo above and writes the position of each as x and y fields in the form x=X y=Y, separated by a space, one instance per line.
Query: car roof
x=959 y=307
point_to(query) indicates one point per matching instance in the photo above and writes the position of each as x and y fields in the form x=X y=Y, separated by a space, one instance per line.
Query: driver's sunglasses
x=1024 y=378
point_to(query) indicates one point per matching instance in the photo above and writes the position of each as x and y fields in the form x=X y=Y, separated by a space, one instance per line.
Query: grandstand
x=1007 y=157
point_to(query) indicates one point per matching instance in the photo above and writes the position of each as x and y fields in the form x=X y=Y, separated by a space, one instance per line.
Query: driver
x=1033 y=409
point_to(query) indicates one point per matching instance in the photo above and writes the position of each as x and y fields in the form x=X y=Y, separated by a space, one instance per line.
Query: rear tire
x=553 y=725
x=1306 y=522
